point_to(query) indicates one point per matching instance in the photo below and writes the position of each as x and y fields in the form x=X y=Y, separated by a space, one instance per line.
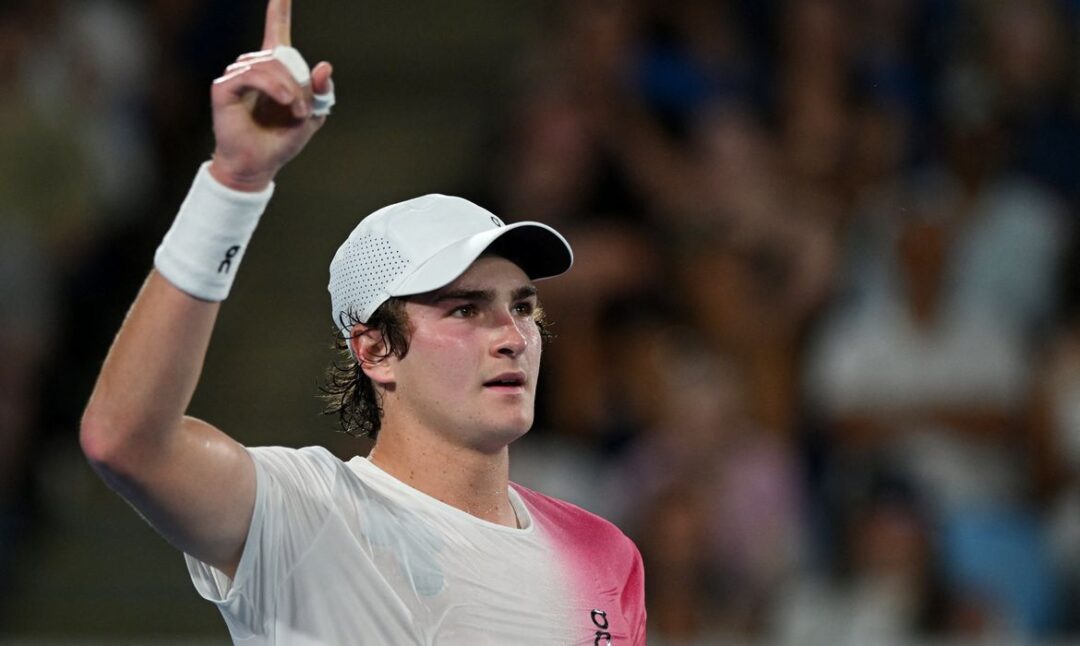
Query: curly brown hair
x=349 y=392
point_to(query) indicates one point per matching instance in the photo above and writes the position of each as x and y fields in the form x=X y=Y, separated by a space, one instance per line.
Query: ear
x=370 y=352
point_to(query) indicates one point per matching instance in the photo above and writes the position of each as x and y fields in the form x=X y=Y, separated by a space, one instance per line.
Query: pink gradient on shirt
x=603 y=564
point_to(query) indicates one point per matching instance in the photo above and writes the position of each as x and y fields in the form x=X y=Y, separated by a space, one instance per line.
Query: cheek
x=531 y=330
x=534 y=345
x=442 y=356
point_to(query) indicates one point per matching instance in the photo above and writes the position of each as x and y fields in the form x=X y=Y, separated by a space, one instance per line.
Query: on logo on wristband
x=226 y=263
x=213 y=218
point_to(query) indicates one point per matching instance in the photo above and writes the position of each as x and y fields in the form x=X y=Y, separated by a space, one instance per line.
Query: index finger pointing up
x=278 y=24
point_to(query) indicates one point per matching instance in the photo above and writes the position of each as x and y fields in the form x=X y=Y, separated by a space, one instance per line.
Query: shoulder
x=297 y=487
x=548 y=505
x=569 y=521
x=311 y=456
x=311 y=466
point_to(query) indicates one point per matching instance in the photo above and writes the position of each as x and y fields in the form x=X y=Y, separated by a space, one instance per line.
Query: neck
x=475 y=482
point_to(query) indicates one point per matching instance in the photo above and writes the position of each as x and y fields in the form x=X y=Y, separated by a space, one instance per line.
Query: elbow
x=95 y=440
x=106 y=442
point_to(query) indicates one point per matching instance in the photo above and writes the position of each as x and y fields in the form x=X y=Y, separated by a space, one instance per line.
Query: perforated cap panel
x=359 y=274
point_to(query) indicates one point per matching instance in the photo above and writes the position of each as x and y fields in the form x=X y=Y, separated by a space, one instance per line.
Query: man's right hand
x=262 y=115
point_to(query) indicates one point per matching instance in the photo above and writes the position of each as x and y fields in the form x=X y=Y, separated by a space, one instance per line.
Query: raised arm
x=193 y=483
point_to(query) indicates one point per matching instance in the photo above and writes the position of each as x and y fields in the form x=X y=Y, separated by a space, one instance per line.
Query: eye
x=464 y=311
x=525 y=308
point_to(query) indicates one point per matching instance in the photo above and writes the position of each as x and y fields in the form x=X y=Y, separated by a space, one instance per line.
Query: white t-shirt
x=343 y=553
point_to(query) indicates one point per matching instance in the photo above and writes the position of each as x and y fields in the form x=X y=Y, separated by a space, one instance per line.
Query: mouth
x=507 y=382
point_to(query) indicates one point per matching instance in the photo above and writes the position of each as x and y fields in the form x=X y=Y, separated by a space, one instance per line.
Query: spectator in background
x=86 y=68
x=39 y=229
x=883 y=583
x=937 y=388
x=716 y=496
x=756 y=262
x=1027 y=60
x=693 y=53
x=1054 y=434
x=78 y=173
x=812 y=81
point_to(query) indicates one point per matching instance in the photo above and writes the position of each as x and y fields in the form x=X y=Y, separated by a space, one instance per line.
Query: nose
x=510 y=339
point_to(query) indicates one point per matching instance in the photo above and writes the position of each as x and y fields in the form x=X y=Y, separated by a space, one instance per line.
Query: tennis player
x=425 y=540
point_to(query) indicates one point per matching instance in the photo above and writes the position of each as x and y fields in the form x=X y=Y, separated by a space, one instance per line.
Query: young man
x=425 y=540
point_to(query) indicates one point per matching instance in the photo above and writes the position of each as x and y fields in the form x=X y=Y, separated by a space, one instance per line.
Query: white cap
x=425 y=243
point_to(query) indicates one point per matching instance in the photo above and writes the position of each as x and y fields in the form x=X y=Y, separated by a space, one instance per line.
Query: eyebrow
x=482 y=295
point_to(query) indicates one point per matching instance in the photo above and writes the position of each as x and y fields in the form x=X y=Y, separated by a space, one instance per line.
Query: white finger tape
x=292 y=60
x=321 y=103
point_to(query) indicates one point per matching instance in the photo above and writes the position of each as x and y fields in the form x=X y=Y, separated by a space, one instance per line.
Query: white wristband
x=202 y=251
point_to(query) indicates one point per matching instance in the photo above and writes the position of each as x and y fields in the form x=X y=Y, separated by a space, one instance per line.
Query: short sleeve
x=292 y=503
x=633 y=597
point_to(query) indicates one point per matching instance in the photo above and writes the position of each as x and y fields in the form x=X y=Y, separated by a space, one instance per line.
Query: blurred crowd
x=104 y=114
x=820 y=351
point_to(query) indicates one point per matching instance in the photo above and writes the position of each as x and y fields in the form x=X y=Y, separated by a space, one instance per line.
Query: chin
x=503 y=435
